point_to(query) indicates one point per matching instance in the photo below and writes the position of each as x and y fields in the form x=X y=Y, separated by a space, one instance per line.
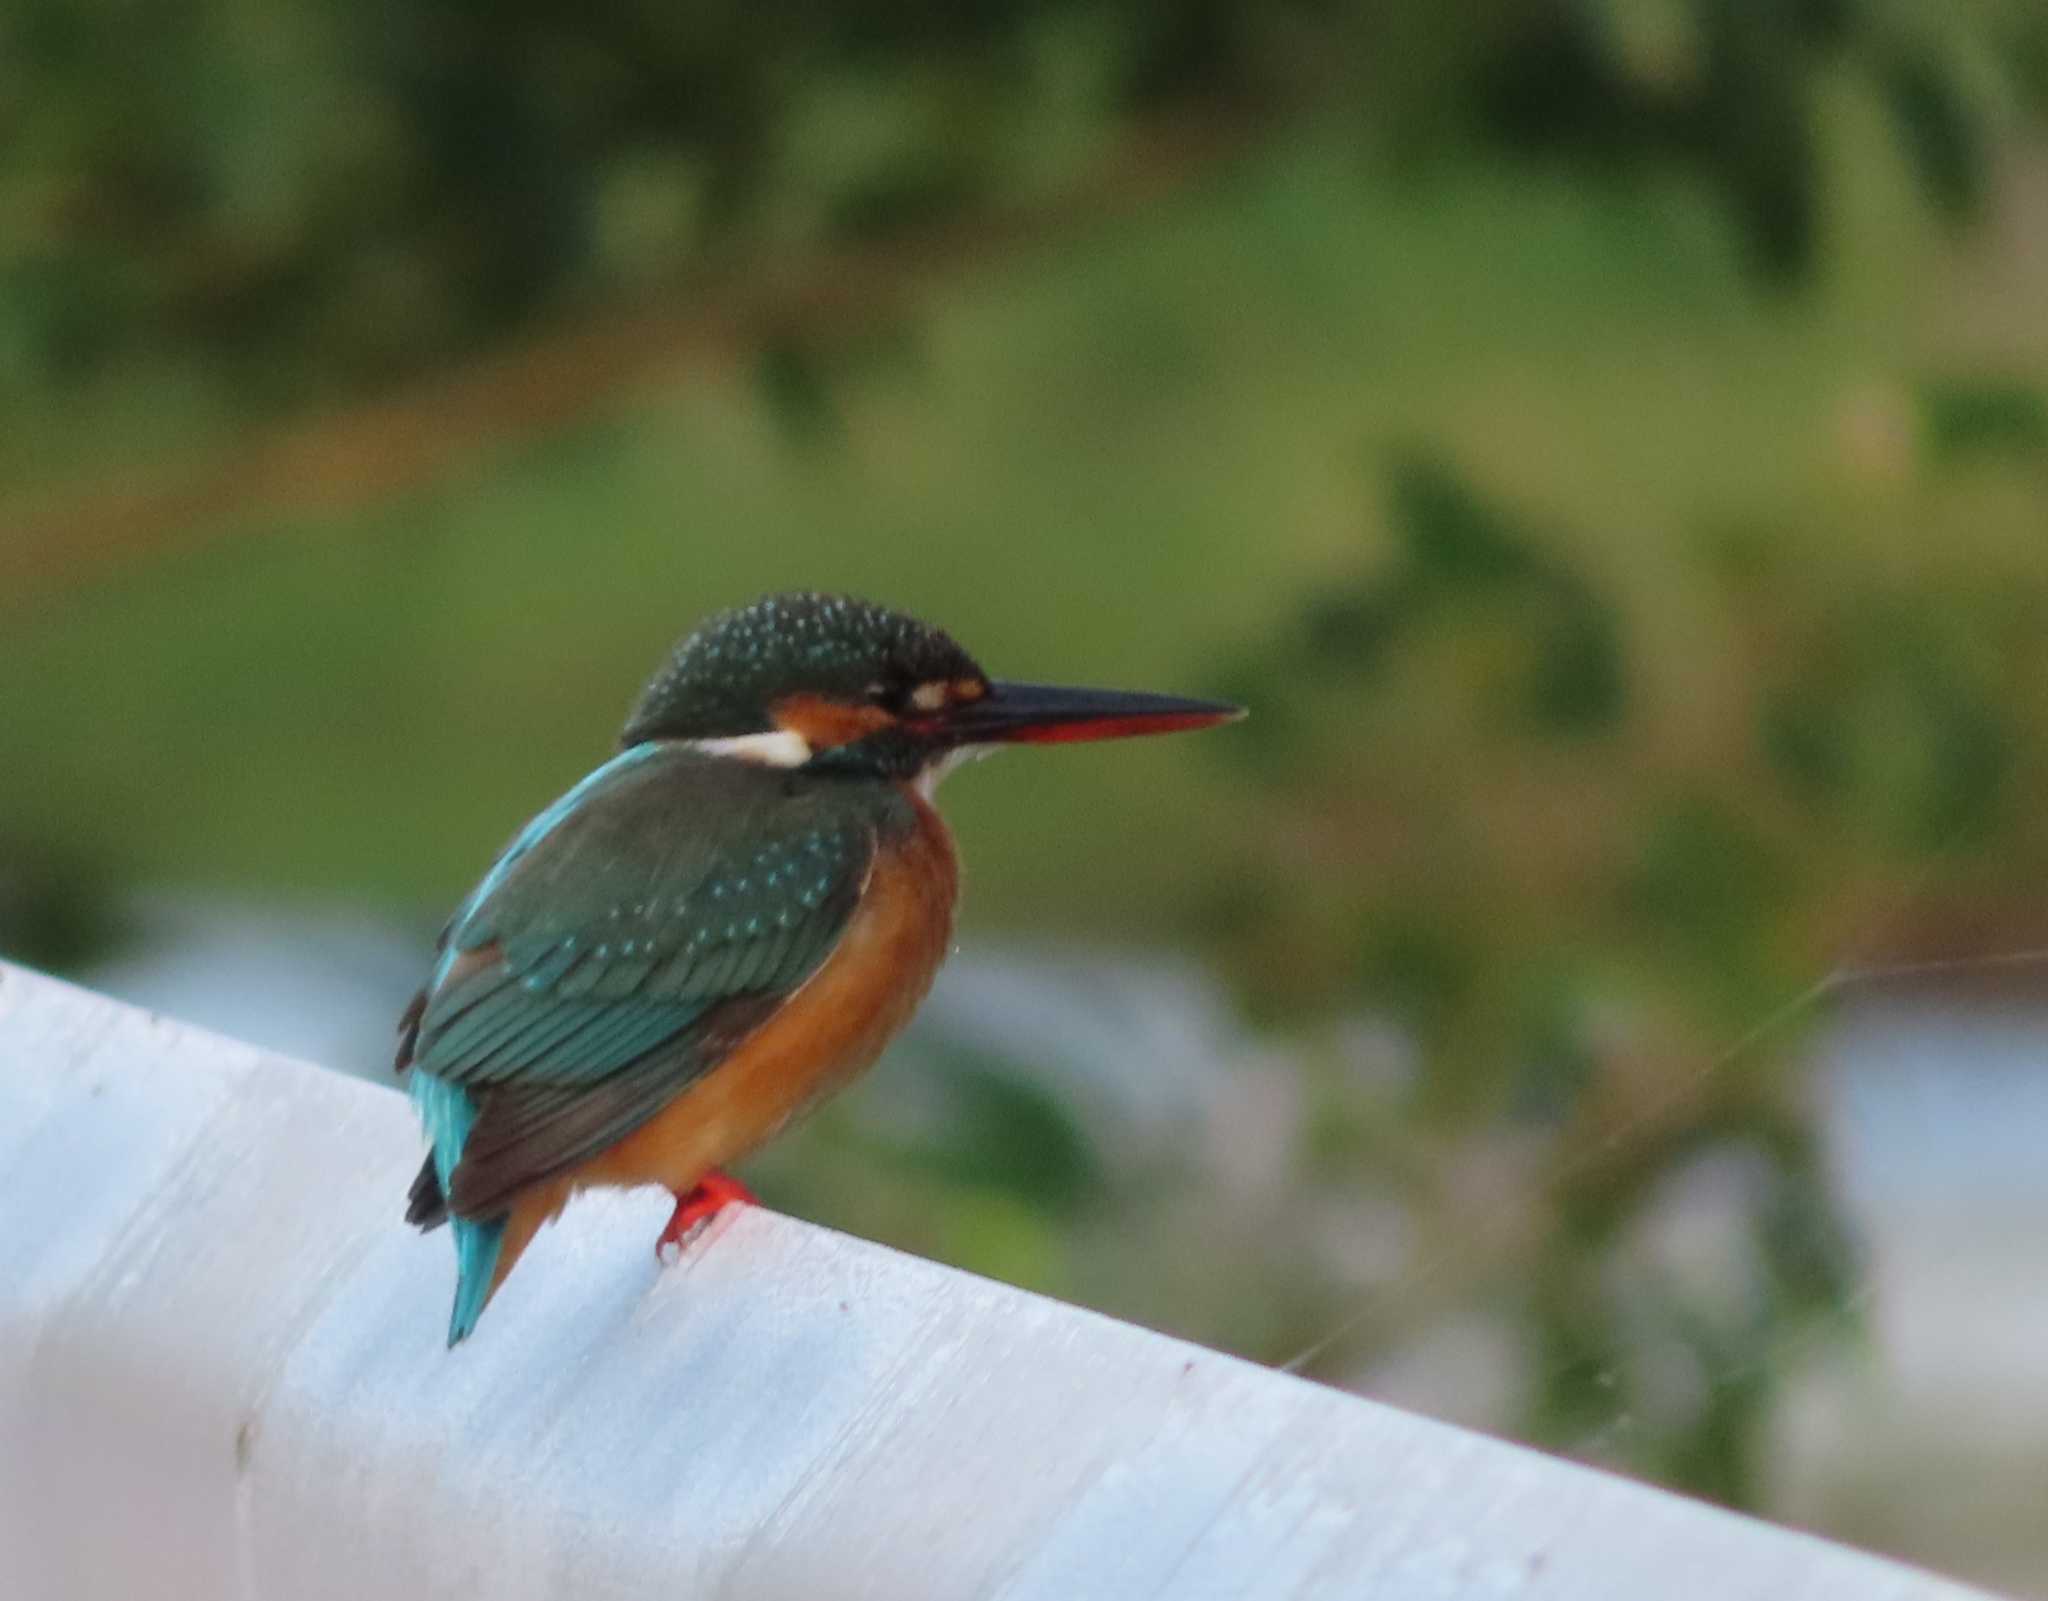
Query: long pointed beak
x=1048 y=714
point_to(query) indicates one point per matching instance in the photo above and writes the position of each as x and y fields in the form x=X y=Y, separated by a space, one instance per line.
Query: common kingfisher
x=717 y=927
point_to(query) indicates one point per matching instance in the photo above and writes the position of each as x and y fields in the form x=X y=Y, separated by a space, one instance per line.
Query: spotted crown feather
x=723 y=680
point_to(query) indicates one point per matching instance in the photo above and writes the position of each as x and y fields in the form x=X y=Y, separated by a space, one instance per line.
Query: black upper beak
x=1047 y=714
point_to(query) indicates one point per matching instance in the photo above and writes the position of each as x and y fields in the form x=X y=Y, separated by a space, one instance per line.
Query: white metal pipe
x=222 y=1376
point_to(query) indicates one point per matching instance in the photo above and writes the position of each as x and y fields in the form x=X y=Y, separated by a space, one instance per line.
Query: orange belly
x=824 y=1034
x=829 y=1030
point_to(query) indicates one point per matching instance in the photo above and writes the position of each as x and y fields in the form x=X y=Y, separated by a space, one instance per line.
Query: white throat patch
x=783 y=748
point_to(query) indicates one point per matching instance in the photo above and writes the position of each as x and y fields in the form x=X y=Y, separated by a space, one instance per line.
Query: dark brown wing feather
x=528 y=1132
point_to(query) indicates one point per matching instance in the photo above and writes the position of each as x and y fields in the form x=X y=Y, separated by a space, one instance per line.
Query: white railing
x=222 y=1378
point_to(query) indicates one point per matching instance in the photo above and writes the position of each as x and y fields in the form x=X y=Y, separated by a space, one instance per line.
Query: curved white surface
x=222 y=1376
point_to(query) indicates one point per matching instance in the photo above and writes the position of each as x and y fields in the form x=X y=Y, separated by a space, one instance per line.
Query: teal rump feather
x=476 y=1259
x=448 y=1115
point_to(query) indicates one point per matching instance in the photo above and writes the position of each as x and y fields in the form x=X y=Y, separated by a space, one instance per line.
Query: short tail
x=449 y=1115
x=476 y=1270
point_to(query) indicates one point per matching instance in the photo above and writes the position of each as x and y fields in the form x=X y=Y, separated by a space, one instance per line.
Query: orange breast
x=829 y=1030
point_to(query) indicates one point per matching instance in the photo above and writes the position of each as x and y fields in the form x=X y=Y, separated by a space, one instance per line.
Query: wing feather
x=588 y=981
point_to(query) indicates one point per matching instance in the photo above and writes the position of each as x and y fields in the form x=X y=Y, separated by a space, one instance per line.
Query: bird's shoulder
x=667 y=817
x=667 y=880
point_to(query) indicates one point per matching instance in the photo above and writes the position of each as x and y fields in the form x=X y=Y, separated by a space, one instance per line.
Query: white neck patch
x=783 y=748
x=787 y=748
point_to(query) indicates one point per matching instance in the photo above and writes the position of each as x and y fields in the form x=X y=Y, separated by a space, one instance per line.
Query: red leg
x=714 y=1192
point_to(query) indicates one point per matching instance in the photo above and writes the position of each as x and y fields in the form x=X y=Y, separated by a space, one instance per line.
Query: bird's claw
x=694 y=1212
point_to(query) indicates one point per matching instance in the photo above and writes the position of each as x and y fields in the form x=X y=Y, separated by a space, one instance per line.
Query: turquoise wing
x=625 y=942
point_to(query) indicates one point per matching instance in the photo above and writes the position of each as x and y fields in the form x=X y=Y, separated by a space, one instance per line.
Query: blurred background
x=1598 y=997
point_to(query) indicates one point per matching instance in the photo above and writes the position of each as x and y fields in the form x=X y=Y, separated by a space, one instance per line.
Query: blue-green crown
x=725 y=678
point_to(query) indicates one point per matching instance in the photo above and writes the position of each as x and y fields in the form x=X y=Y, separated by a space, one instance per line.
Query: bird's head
x=834 y=683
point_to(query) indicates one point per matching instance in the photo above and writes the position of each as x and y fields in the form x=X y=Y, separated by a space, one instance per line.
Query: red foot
x=714 y=1192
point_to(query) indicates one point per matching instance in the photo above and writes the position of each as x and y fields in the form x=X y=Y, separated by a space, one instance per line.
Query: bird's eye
x=883 y=694
x=908 y=697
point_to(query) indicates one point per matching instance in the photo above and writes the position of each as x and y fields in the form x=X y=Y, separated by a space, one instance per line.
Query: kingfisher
x=723 y=923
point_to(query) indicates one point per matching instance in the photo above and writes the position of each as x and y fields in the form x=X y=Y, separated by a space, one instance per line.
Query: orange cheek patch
x=823 y=723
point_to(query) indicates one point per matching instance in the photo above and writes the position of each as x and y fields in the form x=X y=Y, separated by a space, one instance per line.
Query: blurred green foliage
x=294 y=197
x=1583 y=923
x=1535 y=413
